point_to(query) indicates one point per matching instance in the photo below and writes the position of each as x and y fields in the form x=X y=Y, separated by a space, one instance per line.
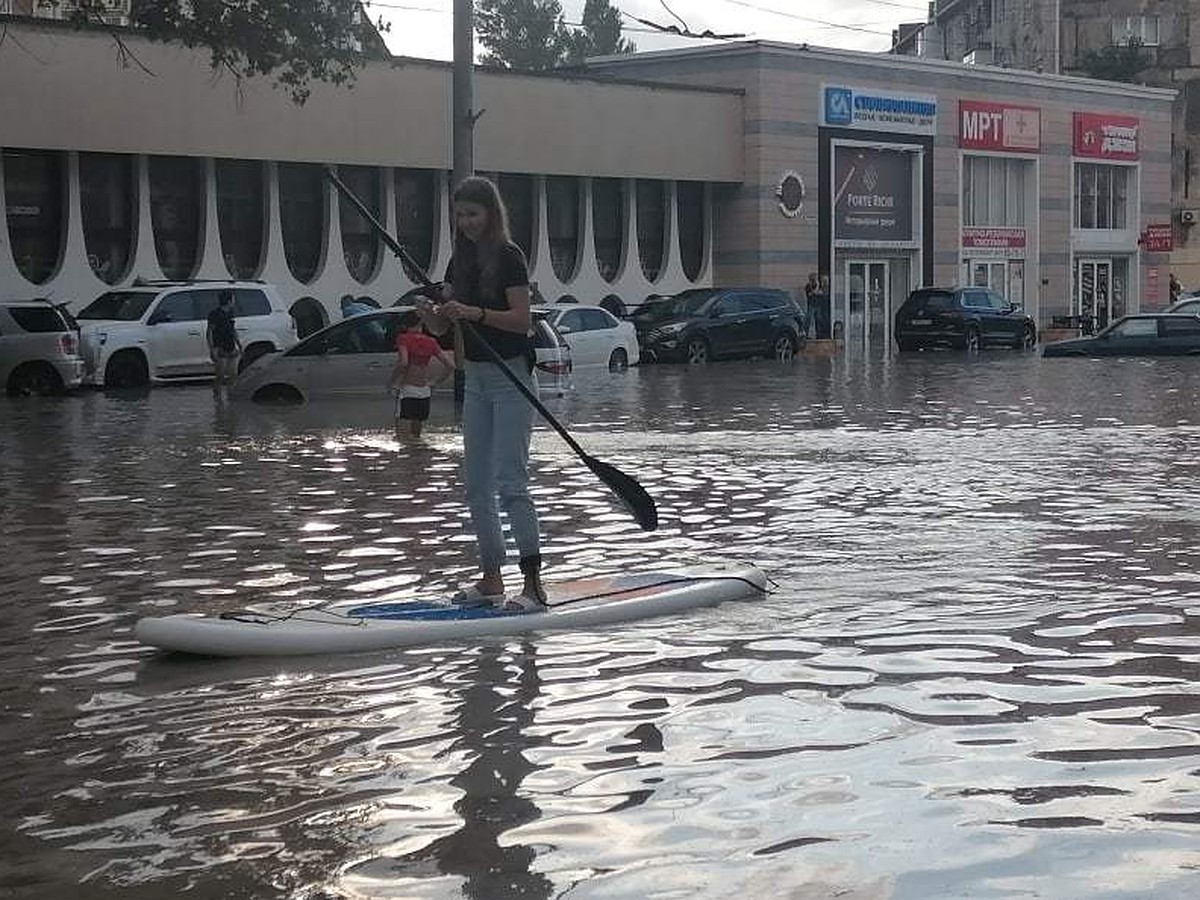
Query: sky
x=422 y=28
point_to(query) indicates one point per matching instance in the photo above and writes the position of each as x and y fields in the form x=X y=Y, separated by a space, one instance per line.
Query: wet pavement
x=977 y=676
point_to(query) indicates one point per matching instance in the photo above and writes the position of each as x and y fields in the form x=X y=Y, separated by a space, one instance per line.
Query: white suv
x=156 y=331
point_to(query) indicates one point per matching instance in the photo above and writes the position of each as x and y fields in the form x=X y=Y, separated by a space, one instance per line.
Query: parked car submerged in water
x=39 y=348
x=156 y=331
x=970 y=318
x=355 y=357
x=596 y=337
x=702 y=324
x=1151 y=334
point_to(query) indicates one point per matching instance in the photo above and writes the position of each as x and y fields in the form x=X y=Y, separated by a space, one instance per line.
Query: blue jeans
x=497 y=425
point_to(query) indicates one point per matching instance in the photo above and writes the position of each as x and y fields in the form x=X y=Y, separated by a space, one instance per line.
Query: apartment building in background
x=1088 y=38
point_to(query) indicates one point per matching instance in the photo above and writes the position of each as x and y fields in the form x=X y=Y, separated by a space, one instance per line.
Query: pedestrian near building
x=1175 y=288
x=224 y=345
x=487 y=285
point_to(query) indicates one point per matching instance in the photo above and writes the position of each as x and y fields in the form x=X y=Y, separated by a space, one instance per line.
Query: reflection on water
x=976 y=679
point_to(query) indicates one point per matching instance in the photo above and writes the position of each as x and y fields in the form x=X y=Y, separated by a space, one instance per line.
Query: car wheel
x=696 y=351
x=253 y=353
x=783 y=348
x=37 y=379
x=619 y=361
x=1028 y=338
x=127 y=369
x=278 y=395
x=973 y=339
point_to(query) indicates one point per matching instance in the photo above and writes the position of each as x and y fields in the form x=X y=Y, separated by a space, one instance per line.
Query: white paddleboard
x=279 y=630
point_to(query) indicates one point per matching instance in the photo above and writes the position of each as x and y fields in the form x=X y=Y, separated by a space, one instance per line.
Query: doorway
x=1092 y=294
x=866 y=308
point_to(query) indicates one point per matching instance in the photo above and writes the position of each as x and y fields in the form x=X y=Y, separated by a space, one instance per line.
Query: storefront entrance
x=864 y=304
x=1004 y=276
x=1099 y=290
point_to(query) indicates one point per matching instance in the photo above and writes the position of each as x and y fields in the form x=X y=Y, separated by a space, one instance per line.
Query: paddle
x=634 y=497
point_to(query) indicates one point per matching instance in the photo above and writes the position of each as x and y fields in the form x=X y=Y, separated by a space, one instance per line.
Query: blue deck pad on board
x=426 y=612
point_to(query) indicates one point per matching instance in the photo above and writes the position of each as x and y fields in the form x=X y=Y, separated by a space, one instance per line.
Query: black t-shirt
x=487 y=288
x=224 y=334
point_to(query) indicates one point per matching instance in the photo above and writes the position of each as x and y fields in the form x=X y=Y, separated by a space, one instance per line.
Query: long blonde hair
x=482 y=192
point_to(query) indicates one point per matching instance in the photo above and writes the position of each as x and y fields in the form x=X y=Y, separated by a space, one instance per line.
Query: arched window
x=302 y=218
x=651 y=226
x=689 y=208
x=310 y=316
x=33 y=193
x=517 y=191
x=562 y=224
x=108 y=210
x=416 y=212
x=177 y=213
x=360 y=242
x=241 y=214
x=608 y=224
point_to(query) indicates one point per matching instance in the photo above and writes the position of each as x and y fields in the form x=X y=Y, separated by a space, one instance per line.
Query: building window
x=1101 y=196
x=416 y=190
x=651 y=226
x=689 y=203
x=241 y=214
x=177 y=213
x=302 y=218
x=608 y=224
x=517 y=191
x=33 y=192
x=994 y=190
x=1135 y=30
x=562 y=220
x=360 y=241
x=108 y=212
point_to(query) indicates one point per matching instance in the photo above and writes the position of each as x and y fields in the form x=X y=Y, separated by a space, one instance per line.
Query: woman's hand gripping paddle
x=631 y=494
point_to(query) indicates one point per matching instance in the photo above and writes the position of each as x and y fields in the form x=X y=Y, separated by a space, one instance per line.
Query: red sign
x=995 y=126
x=1101 y=136
x=1158 y=239
x=993 y=239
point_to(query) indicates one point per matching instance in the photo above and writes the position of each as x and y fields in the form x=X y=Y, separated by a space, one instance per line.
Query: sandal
x=522 y=603
x=473 y=598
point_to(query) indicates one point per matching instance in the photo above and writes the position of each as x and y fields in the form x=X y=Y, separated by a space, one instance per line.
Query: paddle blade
x=634 y=497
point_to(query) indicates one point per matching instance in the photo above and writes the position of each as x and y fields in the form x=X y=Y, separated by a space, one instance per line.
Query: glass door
x=866 y=307
x=1093 y=293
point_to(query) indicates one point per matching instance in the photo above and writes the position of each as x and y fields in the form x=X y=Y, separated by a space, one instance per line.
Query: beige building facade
x=1053 y=190
x=738 y=164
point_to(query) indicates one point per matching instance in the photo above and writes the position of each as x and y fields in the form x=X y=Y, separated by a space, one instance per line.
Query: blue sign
x=839 y=106
x=878 y=110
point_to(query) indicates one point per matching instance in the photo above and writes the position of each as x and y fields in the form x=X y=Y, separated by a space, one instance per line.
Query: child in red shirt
x=415 y=350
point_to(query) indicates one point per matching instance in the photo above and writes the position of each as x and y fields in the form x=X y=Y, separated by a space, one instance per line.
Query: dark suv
x=968 y=317
x=706 y=323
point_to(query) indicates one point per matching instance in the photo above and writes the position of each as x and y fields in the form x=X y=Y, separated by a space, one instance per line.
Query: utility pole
x=462 y=115
x=462 y=112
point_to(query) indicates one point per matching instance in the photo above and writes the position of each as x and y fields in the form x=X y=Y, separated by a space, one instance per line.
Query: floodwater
x=976 y=677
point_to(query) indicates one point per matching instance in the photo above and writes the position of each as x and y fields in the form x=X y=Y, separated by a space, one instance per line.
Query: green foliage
x=600 y=35
x=1119 y=62
x=295 y=42
x=521 y=34
x=533 y=34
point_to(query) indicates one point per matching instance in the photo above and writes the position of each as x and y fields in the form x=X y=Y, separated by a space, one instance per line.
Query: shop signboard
x=1158 y=239
x=873 y=199
x=993 y=241
x=1104 y=136
x=999 y=127
x=878 y=110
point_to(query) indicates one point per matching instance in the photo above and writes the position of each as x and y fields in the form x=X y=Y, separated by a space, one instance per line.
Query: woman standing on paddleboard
x=487 y=285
